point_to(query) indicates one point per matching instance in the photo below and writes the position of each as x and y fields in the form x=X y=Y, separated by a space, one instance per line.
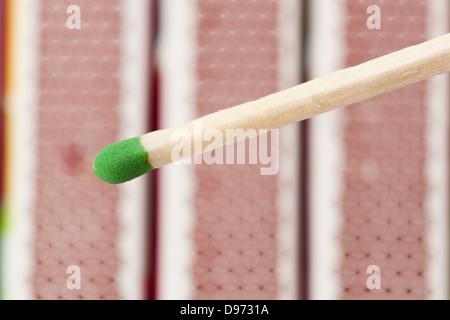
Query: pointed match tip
x=122 y=161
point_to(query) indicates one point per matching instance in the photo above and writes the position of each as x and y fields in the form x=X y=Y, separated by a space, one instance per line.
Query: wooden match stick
x=128 y=159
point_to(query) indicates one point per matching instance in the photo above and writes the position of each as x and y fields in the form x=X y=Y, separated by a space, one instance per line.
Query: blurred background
x=358 y=210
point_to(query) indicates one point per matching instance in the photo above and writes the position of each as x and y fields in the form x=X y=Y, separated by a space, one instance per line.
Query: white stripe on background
x=437 y=204
x=177 y=182
x=326 y=154
x=17 y=258
x=289 y=58
x=133 y=110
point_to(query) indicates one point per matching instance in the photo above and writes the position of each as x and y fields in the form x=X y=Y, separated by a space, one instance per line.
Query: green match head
x=122 y=161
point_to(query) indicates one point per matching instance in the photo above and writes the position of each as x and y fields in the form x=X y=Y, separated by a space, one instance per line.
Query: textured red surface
x=75 y=213
x=385 y=154
x=236 y=212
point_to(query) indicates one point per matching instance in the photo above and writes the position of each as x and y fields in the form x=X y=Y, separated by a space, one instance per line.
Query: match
x=128 y=159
